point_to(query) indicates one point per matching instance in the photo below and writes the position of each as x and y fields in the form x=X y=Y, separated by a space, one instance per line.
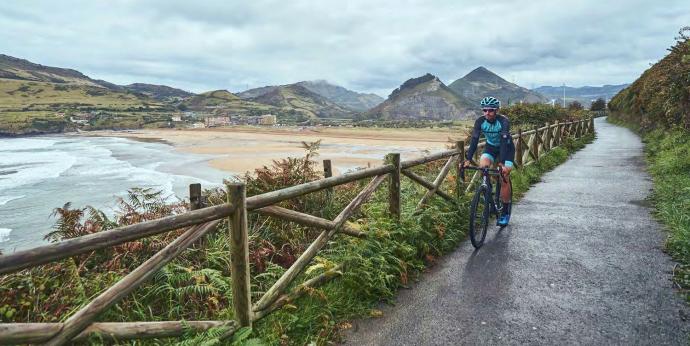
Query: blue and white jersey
x=497 y=134
x=492 y=130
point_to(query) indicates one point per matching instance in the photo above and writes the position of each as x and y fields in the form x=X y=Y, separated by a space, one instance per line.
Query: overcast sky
x=367 y=46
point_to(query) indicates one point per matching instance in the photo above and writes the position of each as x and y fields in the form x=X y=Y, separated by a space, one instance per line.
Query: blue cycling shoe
x=503 y=220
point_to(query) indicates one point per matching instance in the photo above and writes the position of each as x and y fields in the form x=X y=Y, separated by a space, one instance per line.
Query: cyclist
x=499 y=144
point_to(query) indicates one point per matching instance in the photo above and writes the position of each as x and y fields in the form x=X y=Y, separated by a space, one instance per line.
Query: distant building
x=198 y=125
x=177 y=118
x=79 y=121
x=267 y=119
x=217 y=121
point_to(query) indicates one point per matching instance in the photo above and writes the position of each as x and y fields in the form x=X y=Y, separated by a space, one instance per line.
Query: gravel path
x=581 y=263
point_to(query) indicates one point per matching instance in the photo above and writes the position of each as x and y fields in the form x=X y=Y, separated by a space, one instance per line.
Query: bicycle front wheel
x=479 y=216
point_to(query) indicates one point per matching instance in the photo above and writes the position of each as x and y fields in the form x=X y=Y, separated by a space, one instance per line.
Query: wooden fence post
x=535 y=143
x=327 y=169
x=394 y=186
x=239 y=255
x=591 y=125
x=195 y=196
x=547 y=137
x=518 y=149
x=460 y=145
x=327 y=173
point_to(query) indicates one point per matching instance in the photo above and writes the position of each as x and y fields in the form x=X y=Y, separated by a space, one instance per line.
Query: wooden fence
x=530 y=145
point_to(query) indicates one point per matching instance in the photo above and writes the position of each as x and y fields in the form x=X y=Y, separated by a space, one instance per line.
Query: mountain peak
x=481 y=82
x=482 y=74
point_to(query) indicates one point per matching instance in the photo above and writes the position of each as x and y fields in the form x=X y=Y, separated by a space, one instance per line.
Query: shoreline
x=238 y=150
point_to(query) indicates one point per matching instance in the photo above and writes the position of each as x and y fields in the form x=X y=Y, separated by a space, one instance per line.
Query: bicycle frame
x=486 y=181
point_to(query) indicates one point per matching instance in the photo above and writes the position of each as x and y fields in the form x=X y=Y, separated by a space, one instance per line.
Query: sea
x=39 y=174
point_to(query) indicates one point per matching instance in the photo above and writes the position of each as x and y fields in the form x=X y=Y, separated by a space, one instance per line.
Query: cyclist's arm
x=505 y=141
x=474 y=141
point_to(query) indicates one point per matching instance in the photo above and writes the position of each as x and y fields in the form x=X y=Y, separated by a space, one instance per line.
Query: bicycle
x=484 y=204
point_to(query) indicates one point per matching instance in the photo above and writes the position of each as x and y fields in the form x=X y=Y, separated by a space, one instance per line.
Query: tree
x=598 y=105
x=575 y=106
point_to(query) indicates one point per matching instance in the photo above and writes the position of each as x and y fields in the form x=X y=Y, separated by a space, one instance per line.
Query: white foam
x=6 y=199
x=32 y=167
x=4 y=234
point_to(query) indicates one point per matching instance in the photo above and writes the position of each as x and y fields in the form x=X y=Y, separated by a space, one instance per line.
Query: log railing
x=200 y=221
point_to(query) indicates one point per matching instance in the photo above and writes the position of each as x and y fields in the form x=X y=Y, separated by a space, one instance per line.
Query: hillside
x=298 y=98
x=340 y=96
x=427 y=98
x=158 y=92
x=256 y=92
x=660 y=97
x=38 y=99
x=226 y=102
x=20 y=69
x=481 y=83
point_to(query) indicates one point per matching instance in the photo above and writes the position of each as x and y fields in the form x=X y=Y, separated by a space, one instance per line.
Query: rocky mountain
x=425 y=97
x=584 y=95
x=347 y=98
x=158 y=92
x=303 y=100
x=481 y=83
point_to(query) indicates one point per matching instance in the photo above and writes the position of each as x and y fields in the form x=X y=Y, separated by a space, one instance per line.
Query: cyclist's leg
x=488 y=156
x=506 y=188
x=510 y=157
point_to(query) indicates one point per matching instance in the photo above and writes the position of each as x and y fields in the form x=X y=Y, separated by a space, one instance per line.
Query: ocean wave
x=4 y=234
x=24 y=144
x=33 y=167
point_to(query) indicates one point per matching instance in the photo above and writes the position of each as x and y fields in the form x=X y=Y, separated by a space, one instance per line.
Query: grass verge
x=667 y=153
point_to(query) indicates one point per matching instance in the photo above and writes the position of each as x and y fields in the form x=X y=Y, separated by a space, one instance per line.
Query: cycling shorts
x=492 y=152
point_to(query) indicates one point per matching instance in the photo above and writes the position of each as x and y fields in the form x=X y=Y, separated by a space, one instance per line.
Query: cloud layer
x=363 y=45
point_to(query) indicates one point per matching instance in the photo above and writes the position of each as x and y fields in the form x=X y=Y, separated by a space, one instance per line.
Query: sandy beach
x=241 y=149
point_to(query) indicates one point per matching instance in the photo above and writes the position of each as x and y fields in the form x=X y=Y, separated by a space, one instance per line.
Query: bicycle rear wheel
x=479 y=216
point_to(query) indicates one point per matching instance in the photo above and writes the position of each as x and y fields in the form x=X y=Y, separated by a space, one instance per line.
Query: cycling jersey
x=497 y=135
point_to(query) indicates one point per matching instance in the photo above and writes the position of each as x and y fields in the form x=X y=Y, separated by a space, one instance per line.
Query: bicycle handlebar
x=490 y=171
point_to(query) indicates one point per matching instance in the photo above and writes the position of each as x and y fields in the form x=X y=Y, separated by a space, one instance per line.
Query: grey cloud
x=363 y=45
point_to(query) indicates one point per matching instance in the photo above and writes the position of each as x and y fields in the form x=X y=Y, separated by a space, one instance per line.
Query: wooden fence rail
x=529 y=147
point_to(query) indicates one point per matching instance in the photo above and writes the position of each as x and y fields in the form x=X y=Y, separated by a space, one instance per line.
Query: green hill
x=41 y=99
x=346 y=99
x=355 y=101
x=427 y=98
x=661 y=96
x=226 y=102
x=300 y=99
x=158 y=92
